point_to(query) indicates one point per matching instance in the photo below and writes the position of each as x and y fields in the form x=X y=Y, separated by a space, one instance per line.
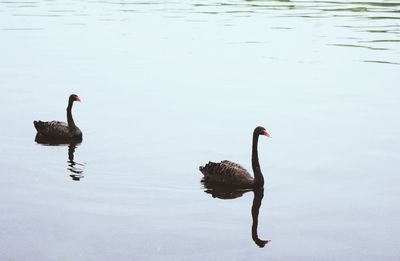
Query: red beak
x=266 y=134
x=78 y=99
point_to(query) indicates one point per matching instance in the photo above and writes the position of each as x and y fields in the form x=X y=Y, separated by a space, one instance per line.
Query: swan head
x=261 y=131
x=74 y=97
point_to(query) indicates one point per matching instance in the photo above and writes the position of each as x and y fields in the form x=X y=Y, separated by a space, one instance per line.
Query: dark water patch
x=382 y=4
x=208 y=12
x=372 y=28
x=281 y=28
x=129 y=10
x=381 y=41
x=275 y=7
x=381 y=62
x=383 y=18
x=226 y=4
x=354 y=9
x=239 y=12
x=323 y=6
x=366 y=26
x=377 y=31
x=360 y=46
x=307 y=16
x=348 y=15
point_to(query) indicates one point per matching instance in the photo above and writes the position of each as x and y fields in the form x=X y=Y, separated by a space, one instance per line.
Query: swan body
x=58 y=130
x=234 y=175
x=227 y=172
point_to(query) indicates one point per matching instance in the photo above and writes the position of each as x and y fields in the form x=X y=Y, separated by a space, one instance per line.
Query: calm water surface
x=169 y=85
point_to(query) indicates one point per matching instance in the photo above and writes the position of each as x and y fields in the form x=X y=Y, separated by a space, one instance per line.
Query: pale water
x=169 y=85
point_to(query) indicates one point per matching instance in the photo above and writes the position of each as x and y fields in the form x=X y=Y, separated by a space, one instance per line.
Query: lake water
x=167 y=86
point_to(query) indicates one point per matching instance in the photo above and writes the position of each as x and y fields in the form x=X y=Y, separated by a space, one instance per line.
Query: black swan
x=232 y=174
x=58 y=131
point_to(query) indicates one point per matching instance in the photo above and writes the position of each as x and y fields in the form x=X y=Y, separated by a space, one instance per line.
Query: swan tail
x=39 y=125
x=210 y=168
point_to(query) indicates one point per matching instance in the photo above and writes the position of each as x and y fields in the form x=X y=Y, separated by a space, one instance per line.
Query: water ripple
x=371 y=23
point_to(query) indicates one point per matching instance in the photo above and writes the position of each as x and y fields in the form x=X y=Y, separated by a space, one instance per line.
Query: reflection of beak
x=266 y=134
x=78 y=99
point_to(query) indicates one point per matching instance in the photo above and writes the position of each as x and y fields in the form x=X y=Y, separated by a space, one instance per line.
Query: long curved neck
x=258 y=177
x=71 y=123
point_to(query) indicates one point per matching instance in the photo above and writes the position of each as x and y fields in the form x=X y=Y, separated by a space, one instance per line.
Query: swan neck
x=258 y=177
x=70 y=120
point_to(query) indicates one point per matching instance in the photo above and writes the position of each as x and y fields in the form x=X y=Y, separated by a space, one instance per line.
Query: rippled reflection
x=74 y=167
x=222 y=192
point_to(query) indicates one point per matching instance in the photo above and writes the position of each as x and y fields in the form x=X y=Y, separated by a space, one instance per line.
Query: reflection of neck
x=258 y=177
x=258 y=196
x=71 y=151
x=76 y=172
x=71 y=123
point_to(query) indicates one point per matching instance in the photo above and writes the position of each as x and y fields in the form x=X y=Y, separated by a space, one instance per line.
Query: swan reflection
x=257 y=200
x=222 y=192
x=74 y=167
